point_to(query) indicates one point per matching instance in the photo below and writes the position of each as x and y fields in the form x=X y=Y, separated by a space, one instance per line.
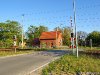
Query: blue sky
x=52 y=13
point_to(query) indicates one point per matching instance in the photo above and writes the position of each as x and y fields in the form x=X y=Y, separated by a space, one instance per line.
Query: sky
x=52 y=13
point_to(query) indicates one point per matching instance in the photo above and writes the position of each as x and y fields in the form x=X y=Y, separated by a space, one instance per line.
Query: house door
x=52 y=44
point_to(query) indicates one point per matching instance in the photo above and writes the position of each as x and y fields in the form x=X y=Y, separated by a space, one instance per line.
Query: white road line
x=42 y=66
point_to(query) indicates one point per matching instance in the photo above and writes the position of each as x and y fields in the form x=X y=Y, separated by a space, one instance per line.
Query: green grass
x=89 y=48
x=70 y=65
x=20 y=51
x=8 y=53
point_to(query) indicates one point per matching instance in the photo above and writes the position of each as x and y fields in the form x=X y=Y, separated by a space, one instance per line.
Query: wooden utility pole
x=22 y=31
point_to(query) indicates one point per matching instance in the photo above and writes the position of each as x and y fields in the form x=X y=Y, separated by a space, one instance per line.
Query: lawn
x=8 y=53
x=89 y=48
x=70 y=65
x=19 y=51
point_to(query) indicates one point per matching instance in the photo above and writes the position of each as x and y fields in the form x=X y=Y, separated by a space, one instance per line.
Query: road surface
x=24 y=64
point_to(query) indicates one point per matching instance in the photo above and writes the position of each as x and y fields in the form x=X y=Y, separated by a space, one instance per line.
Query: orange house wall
x=49 y=42
x=59 y=40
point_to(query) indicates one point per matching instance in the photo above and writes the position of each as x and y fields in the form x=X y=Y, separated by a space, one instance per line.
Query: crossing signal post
x=72 y=43
x=72 y=39
x=72 y=35
x=74 y=10
x=15 y=42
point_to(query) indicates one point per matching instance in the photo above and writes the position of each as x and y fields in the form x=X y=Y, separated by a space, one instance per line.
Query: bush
x=70 y=65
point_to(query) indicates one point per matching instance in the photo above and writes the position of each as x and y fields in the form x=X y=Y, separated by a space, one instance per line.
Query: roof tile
x=49 y=35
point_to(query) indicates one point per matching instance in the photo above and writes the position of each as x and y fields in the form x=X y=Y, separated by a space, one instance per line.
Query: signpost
x=15 y=42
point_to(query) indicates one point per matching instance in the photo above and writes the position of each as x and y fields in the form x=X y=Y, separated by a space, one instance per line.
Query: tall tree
x=66 y=31
x=66 y=36
x=35 y=32
x=95 y=36
x=7 y=30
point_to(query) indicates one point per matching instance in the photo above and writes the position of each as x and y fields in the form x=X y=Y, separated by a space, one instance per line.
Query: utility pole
x=22 y=31
x=75 y=27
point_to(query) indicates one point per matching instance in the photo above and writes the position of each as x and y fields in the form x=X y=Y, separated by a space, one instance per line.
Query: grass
x=20 y=51
x=89 y=48
x=8 y=53
x=70 y=65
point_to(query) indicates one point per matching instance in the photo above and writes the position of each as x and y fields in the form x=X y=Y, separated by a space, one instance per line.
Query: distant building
x=51 y=39
x=36 y=42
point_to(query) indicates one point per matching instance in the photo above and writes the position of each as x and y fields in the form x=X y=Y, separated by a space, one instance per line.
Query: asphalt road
x=24 y=64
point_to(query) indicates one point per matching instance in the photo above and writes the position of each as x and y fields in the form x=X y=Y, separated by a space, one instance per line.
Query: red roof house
x=51 y=39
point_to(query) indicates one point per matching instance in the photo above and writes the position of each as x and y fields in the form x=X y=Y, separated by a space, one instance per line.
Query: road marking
x=42 y=66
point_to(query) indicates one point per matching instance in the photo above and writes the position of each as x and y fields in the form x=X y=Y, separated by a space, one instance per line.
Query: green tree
x=66 y=31
x=66 y=36
x=95 y=36
x=7 y=30
x=35 y=32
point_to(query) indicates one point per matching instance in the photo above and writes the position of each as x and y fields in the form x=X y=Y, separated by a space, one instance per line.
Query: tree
x=95 y=36
x=35 y=32
x=81 y=37
x=66 y=35
x=66 y=31
x=7 y=30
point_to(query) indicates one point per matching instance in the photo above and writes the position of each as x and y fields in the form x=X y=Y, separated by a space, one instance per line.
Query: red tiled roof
x=49 y=35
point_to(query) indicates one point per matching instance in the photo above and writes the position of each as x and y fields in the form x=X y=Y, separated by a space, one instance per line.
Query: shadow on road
x=54 y=53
